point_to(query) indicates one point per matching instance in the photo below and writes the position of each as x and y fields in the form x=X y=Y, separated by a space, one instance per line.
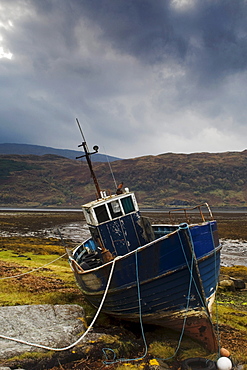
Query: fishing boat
x=161 y=274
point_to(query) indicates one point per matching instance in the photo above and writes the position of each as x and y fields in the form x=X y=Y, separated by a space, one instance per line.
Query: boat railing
x=105 y=193
x=190 y=214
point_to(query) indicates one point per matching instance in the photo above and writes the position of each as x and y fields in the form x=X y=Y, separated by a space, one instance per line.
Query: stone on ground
x=54 y=326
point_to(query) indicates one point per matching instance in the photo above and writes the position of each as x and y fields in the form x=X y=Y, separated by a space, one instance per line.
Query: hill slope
x=159 y=181
x=24 y=149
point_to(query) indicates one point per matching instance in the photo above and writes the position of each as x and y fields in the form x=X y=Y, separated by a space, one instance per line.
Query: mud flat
x=232 y=229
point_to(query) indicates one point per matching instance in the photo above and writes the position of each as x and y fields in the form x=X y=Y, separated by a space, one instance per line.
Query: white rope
x=83 y=335
x=36 y=269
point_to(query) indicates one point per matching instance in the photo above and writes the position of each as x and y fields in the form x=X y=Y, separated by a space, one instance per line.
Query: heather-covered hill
x=159 y=181
x=27 y=149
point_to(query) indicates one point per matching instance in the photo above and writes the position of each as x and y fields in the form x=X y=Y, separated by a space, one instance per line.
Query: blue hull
x=169 y=280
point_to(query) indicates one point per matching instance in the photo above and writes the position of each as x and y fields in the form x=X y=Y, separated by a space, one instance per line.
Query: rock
x=54 y=326
x=224 y=277
x=8 y=368
x=238 y=283
x=227 y=285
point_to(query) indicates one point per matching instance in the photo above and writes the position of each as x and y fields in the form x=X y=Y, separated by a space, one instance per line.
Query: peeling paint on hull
x=198 y=325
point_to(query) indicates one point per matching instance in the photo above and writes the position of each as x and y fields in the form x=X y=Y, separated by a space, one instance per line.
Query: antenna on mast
x=87 y=156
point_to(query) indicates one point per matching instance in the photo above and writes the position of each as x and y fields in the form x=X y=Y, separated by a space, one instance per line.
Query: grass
x=238 y=272
x=119 y=346
x=230 y=314
x=30 y=261
x=164 y=345
x=127 y=365
x=234 y=318
x=34 y=245
x=51 y=283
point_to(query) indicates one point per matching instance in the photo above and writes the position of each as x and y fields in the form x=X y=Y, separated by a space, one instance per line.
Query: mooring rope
x=187 y=263
x=83 y=335
x=30 y=271
x=190 y=268
x=215 y=276
x=114 y=360
x=216 y=297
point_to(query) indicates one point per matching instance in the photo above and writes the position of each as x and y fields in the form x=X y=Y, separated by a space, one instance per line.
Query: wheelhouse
x=115 y=223
x=110 y=208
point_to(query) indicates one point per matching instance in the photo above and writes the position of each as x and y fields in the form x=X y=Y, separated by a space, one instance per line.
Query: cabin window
x=101 y=213
x=115 y=209
x=128 y=204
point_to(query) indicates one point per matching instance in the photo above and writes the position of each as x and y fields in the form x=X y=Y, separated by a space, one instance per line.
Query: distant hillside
x=24 y=149
x=167 y=180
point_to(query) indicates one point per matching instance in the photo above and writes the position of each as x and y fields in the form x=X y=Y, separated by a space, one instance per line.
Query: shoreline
x=143 y=210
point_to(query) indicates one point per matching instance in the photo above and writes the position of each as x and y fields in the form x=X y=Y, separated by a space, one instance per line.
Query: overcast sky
x=142 y=76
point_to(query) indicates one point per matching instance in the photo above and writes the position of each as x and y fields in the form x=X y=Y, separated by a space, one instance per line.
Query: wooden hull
x=170 y=281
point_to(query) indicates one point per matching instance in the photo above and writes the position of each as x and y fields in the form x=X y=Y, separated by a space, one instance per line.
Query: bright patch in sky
x=182 y=4
x=3 y=54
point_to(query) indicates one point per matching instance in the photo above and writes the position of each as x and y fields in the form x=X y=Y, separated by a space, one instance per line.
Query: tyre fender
x=198 y=363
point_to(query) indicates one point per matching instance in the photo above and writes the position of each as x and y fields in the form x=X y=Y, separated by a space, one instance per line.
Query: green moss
x=35 y=245
x=32 y=356
x=128 y=365
x=237 y=319
x=161 y=350
x=51 y=280
x=119 y=345
x=231 y=317
x=237 y=272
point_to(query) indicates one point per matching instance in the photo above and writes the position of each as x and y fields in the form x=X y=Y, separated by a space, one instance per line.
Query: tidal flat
x=30 y=240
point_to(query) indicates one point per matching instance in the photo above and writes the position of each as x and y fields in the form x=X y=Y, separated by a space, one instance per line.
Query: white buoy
x=224 y=363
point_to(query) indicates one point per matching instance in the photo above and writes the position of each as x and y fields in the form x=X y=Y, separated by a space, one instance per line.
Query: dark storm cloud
x=143 y=29
x=209 y=37
x=170 y=73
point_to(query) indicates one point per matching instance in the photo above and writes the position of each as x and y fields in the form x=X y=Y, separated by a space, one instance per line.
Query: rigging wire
x=113 y=177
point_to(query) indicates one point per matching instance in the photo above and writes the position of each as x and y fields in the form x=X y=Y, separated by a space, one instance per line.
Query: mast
x=87 y=156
